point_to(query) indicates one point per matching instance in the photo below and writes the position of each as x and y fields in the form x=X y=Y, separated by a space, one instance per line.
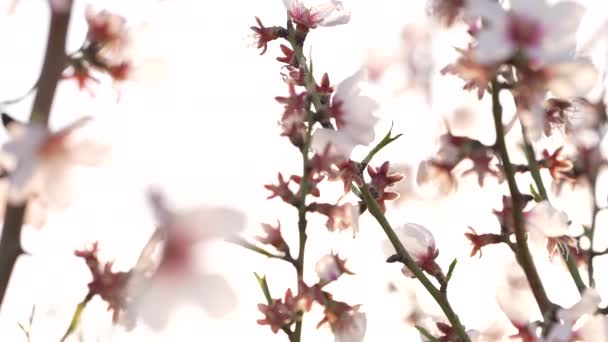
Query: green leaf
x=76 y=317
x=385 y=141
x=537 y=196
x=427 y=334
x=451 y=270
x=264 y=286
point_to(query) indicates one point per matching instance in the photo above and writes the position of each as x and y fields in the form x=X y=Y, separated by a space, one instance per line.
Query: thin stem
x=591 y=236
x=535 y=172
x=523 y=253
x=305 y=186
x=439 y=297
x=252 y=247
x=10 y=244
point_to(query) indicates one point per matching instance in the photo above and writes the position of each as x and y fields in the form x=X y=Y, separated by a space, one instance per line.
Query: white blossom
x=40 y=161
x=417 y=241
x=543 y=33
x=353 y=329
x=544 y=221
x=355 y=122
x=165 y=274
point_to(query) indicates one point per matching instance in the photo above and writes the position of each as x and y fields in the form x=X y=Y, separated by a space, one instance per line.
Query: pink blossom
x=325 y=13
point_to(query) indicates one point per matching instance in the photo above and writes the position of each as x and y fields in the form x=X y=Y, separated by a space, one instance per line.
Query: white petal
x=595 y=329
x=213 y=293
x=572 y=79
x=487 y=9
x=340 y=143
x=355 y=330
x=530 y=9
x=415 y=238
x=493 y=46
x=547 y=220
x=211 y=222
x=587 y=305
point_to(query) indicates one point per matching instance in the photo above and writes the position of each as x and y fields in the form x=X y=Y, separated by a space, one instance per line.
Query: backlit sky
x=201 y=124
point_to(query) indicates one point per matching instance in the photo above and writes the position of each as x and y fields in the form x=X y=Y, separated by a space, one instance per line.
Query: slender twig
x=254 y=248
x=305 y=186
x=77 y=315
x=523 y=252
x=535 y=172
x=10 y=244
x=591 y=236
x=409 y=262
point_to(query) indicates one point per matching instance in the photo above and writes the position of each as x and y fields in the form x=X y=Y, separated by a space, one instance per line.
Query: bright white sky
x=203 y=127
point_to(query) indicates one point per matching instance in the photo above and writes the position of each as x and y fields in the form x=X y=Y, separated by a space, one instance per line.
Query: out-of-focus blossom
x=330 y=267
x=419 y=243
x=542 y=33
x=476 y=76
x=39 y=161
x=544 y=221
x=108 y=35
x=354 y=120
x=583 y=312
x=447 y=11
x=321 y=13
x=157 y=285
x=347 y=322
x=340 y=217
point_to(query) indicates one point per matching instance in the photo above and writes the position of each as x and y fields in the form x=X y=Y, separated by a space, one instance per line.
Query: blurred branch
x=10 y=244
x=523 y=252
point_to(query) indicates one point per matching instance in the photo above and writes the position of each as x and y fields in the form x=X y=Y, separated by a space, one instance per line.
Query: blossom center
x=523 y=31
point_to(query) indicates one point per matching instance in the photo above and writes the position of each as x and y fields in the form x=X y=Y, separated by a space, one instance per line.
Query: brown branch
x=523 y=254
x=10 y=244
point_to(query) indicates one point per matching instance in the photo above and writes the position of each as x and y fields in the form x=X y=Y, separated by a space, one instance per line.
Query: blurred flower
x=39 y=161
x=447 y=11
x=326 y=13
x=476 y=75
x=544 y=221
x=340 y=217
x=532 y=28
x=346 y=322
x=158 y=284
x=330 y=267
x=419 y=243
x=354 y=120
x=577 y=314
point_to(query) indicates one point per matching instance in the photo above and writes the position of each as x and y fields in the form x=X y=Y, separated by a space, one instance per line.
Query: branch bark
x=10 y=244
